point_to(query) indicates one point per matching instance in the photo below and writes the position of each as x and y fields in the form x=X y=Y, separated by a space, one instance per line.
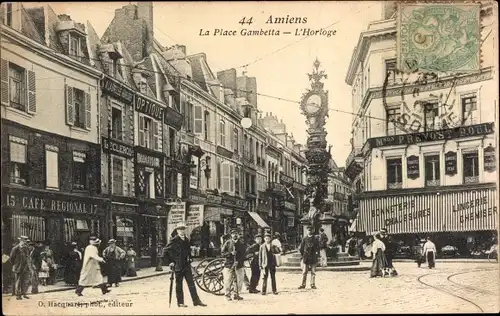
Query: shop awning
x=256 y=217
x=352 y=228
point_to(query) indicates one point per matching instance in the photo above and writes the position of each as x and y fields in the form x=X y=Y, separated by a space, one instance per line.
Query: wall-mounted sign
x=224 y=152
x=117 y=148
x=173 y=118
x=412 y=167
x=453 y=211
x=117 y=90
x=194 y=217
x=232 y=201
x=28 y=201
x=147 y=160
x=149 y=107
x=489 y=159
x=299 y=186
x=450 y=163
x=284 y=179
x=444 y=134
x=290 y=206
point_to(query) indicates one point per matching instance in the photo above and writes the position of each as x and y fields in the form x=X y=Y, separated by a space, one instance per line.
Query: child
x=44 y=271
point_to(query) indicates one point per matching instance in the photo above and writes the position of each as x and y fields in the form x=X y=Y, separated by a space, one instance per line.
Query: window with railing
x=394 y=173
x=431 y=110
x=471 y=167
x=18 y=162
x=392 y=121
x=432 y=170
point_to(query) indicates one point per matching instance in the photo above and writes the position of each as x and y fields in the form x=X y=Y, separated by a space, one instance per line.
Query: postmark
x=424 y=111
x=442 y=38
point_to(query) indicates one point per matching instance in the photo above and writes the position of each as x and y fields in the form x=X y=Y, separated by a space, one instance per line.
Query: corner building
x=50 y=131
x=425 y=166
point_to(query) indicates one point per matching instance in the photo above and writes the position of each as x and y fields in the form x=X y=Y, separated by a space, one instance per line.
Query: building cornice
x=364 y=42
x=27 y=43
x=407 y=89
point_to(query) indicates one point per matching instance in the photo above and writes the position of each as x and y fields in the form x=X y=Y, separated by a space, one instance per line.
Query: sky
x=279 y=63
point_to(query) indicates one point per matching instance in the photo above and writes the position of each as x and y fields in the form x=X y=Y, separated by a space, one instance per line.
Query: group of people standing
x=32 y=264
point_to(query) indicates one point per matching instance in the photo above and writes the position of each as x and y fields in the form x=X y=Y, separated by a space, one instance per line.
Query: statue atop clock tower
x=314 y=106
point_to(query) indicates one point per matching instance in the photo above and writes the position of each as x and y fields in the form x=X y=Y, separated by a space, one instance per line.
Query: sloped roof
x=93 y=44
x=29 y=28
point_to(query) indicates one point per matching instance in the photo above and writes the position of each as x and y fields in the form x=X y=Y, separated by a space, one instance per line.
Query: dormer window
x=74 y=45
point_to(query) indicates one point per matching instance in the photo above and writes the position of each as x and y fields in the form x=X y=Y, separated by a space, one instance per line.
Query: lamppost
x=314 y=107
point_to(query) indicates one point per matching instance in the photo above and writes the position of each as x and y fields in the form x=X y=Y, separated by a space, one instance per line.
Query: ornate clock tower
x=314 y=105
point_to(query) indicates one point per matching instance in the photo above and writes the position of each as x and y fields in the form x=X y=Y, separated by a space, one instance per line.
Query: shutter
x=88 y=111
x=231 y=178
x=156 y=135
x=141 y=130
x=198 y=119
x=5 y=82
x=225 y=177
x=31 y=80
x=70 y=106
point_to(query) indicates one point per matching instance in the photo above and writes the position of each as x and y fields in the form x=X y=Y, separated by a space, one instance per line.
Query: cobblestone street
x=451 y=287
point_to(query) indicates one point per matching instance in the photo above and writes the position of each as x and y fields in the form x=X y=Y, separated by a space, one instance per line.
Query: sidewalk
x=450 y=260
x=61 y=286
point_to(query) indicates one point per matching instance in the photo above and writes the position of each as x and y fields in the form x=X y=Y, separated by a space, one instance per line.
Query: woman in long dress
x=113 y=256
x=379 y=264
x=130 y=262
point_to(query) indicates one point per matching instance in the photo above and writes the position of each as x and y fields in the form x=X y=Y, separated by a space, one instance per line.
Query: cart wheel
x=198 y=273
x=213 y=280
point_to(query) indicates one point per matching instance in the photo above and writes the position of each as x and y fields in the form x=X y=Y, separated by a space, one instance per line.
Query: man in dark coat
x=20 y=267
x=254 y=264
x=178 y=256
x=309 y=251
x=234 y=252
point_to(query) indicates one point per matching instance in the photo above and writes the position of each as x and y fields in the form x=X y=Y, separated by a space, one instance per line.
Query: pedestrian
x=178 y=256
x=390 y=250
x=131 y=256
x=20 y=266
x=418 y=251
x=254 y=264
x=159 y=257
x=379 y=264
x=36 y=263
x=233 y=251
x=267 y=263
x=323 y=244
x=73 y=264
x=90 y=274
x=49 y=254
x=277 y=242
x=43 y=274
x=113 y=256
x=309 y=251
x=430 y=253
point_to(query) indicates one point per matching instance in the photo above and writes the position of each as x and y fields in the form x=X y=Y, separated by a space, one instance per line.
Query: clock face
x=313 y=104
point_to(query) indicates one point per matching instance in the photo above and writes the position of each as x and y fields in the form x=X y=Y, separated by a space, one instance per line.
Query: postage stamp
x=438 y=37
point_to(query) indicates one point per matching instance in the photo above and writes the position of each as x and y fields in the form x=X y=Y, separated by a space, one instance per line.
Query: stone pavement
x=451 y=287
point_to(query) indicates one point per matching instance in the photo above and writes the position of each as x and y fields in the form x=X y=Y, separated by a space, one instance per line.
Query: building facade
x=50 y=130
x=423 y=163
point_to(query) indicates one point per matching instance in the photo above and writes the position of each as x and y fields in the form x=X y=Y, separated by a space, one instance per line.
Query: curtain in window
x=32 y=227
x=17 y=152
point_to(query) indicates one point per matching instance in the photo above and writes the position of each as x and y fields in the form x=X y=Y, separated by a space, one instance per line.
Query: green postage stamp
x=439 y=37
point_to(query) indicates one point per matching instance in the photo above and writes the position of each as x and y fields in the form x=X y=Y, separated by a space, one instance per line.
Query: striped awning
x=452 y=211
x=31 y=226
x=256 y=217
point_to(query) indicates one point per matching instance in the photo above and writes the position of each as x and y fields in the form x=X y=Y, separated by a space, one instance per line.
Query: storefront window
x=146 y=236
x=125 y=229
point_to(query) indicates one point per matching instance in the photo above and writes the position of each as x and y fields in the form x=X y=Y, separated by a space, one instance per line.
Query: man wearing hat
x=309 y=251
x=20 y=266
x=254 y=264
x=233 y=251
x=91 y=271
x=113 y=256
x=178 y=256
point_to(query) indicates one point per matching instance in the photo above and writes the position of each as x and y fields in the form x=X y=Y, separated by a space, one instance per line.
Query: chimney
x=145 y=13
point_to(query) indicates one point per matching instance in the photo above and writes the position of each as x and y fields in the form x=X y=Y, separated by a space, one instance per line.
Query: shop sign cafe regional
x=51 y=205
